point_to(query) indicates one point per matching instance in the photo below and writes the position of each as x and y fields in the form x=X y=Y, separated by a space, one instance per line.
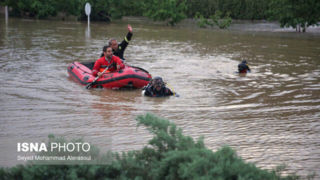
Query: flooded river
x=270 y=117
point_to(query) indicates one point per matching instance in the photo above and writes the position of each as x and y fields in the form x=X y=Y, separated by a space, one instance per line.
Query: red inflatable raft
x=128 y=77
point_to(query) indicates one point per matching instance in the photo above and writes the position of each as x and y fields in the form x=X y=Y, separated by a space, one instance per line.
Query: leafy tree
x=203 y=7
x=296 y=13
x=133 y=8
x=19 y=7
x=172 y=11
x=256 y=9
x=42 y=8
x=70 y=7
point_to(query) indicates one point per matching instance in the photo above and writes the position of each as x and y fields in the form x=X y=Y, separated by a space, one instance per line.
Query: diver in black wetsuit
x=243 y=67
x=157 y=88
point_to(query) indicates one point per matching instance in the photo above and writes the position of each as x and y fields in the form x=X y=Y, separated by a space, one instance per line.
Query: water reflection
x=6 y=10
x=88 y=33
x=109 y=106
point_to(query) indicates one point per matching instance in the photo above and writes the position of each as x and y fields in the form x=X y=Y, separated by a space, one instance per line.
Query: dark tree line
x=290 y=13
x=298 y=14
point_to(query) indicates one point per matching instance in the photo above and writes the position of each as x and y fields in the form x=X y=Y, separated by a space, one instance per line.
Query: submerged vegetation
x=168 y=155
x=290 y=13
x=216 y=19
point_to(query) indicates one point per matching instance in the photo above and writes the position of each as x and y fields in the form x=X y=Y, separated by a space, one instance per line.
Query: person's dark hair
x=104 y=49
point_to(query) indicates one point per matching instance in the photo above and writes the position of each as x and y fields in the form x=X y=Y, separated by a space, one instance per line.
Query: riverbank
x=236 y=25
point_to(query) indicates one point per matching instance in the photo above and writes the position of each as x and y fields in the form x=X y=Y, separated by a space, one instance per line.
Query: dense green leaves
x=172 y=11
x=216 y=19
x=168 y=155
x=294 y=13
x=43 y=8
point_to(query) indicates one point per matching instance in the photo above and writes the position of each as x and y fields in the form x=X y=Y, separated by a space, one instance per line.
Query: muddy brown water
x=270 y=116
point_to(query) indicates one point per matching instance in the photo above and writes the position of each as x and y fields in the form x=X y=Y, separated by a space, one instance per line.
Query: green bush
x=216 y=19
x=201 y=21
x=221 y=22
x=168 y=155
x=172 y=11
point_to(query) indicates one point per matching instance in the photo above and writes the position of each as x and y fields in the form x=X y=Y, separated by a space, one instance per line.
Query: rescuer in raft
x=118 y=49
x=157 y=88
x=113 y=63
x=243 y=67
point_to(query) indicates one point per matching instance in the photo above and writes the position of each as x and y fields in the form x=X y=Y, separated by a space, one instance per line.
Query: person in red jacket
x=108 y=60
